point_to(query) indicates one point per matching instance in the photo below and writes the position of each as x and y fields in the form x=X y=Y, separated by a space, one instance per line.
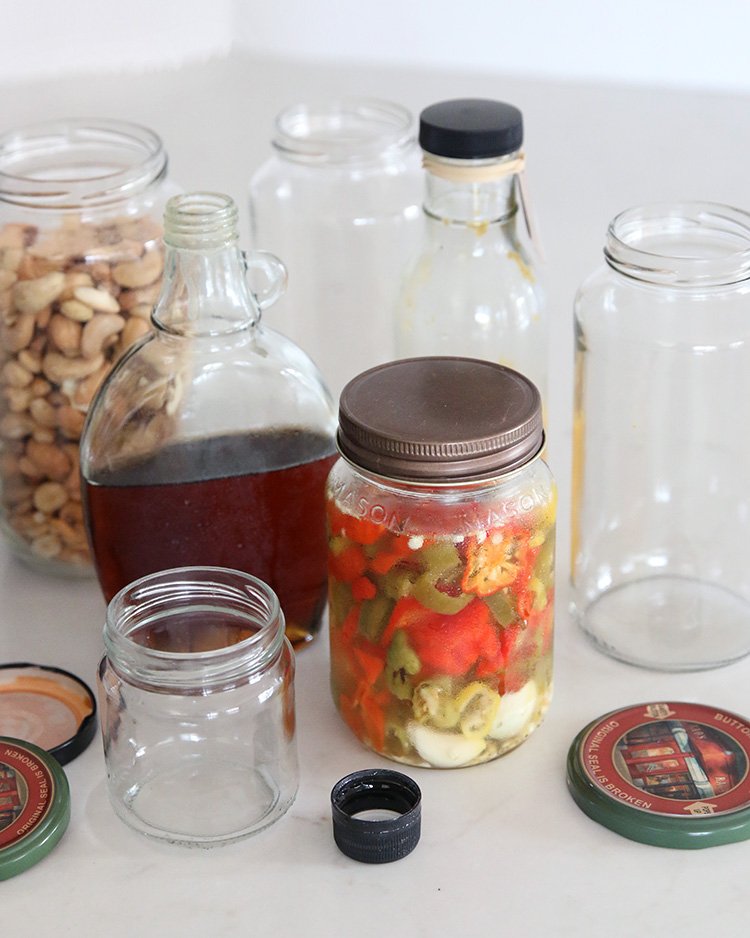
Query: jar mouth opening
x=682 y=243
x=343 y=130
x=202 y=594
x=73 y=164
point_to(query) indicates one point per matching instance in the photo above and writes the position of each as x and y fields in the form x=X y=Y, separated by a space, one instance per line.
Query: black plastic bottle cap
x=377 y=815
x=471 y=129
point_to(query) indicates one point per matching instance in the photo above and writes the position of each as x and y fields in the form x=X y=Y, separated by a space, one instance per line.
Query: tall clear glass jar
x=339 y=201
x=661 y=504
x=441 y=521
x=80 y=267
x=197 y=706
x=210 y=443
x=474 y=287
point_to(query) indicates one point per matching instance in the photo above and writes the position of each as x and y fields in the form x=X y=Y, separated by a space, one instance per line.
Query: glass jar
x=80 y=267
x=661 y=504
x=441 y=519
x=197 y=706
x=474 y=288
x=210 y=443
x=339 y=202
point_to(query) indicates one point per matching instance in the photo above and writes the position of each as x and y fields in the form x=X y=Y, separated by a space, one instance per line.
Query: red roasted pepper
x=449 y=644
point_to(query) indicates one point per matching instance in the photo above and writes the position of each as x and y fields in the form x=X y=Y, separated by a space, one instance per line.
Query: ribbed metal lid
x=440 y=419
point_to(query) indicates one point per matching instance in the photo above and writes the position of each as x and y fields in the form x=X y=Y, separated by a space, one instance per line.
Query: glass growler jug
x=210 y=442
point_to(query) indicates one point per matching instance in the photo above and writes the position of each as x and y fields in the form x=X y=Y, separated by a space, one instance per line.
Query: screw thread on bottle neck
x=200 y=220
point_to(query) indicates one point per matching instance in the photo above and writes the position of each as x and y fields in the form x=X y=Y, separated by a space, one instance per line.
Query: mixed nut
x=72 y=300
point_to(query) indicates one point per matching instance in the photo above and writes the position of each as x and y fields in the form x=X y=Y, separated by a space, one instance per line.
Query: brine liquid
x=213 y=502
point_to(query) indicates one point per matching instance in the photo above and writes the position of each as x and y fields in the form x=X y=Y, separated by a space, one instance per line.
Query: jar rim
x=182 y=589
x=683 y=244
x=77 y=163
x=342 y=130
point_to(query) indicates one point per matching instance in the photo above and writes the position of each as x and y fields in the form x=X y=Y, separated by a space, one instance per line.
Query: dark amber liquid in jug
x=250 y=499
x=213 y=503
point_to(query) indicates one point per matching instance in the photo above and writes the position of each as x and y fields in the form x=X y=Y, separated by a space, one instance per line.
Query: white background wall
x=686 y=43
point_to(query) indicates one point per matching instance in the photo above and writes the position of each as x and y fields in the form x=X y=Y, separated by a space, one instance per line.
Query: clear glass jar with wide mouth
x=197 y=706
x=338 y=200
x=661 y=511
x=441 y=563
x=80 y=267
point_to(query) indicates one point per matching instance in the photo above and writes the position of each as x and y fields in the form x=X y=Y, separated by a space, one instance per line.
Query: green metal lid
x=34 y=805
x=668 y=774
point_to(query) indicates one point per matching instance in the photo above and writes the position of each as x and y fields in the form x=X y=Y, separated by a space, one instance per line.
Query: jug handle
x=275 y=276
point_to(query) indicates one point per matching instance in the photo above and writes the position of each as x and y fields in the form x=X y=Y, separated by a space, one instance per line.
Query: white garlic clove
x=515 y=711
x=444 y=750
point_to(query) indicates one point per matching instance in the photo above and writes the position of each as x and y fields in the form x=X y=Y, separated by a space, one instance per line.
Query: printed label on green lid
x=27 y=789
x=675 y=759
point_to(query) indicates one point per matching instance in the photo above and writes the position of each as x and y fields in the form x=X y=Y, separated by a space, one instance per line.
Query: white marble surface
x=504 y=849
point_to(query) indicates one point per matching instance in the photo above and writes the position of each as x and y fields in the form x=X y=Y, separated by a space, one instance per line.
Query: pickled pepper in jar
x=441 y=524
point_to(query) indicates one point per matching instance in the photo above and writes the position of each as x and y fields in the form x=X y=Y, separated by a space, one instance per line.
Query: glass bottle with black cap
x=474 y=289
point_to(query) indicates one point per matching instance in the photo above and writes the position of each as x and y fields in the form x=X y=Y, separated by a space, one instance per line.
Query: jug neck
x=204 y=290
x=471 y=192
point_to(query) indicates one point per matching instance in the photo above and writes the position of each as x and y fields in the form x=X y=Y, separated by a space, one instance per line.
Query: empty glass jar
x=197 y=706
x=661 y=500
x=339 y=201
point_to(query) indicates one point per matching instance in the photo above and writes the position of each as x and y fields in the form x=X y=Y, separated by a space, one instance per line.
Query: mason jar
x=80 y=267
x=338 y=200
x=197 y=706
x=441 y=521
x=661 y=504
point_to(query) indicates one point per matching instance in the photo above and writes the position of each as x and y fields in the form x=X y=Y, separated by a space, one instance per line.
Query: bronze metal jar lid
x=440 y=419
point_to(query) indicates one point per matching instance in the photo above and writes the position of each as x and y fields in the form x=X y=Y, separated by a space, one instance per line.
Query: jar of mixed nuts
x=441 y=518
x=80 y=267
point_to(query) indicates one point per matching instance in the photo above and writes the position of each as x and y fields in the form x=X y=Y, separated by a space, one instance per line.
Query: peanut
x=49 y=497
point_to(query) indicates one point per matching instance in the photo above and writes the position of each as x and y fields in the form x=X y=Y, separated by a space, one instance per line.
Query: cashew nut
x=139 y=273
x=31 y=296
x=57 y=368
x=97 y=332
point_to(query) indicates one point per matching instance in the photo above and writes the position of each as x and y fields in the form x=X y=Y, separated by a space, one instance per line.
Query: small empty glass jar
x=197 y=706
